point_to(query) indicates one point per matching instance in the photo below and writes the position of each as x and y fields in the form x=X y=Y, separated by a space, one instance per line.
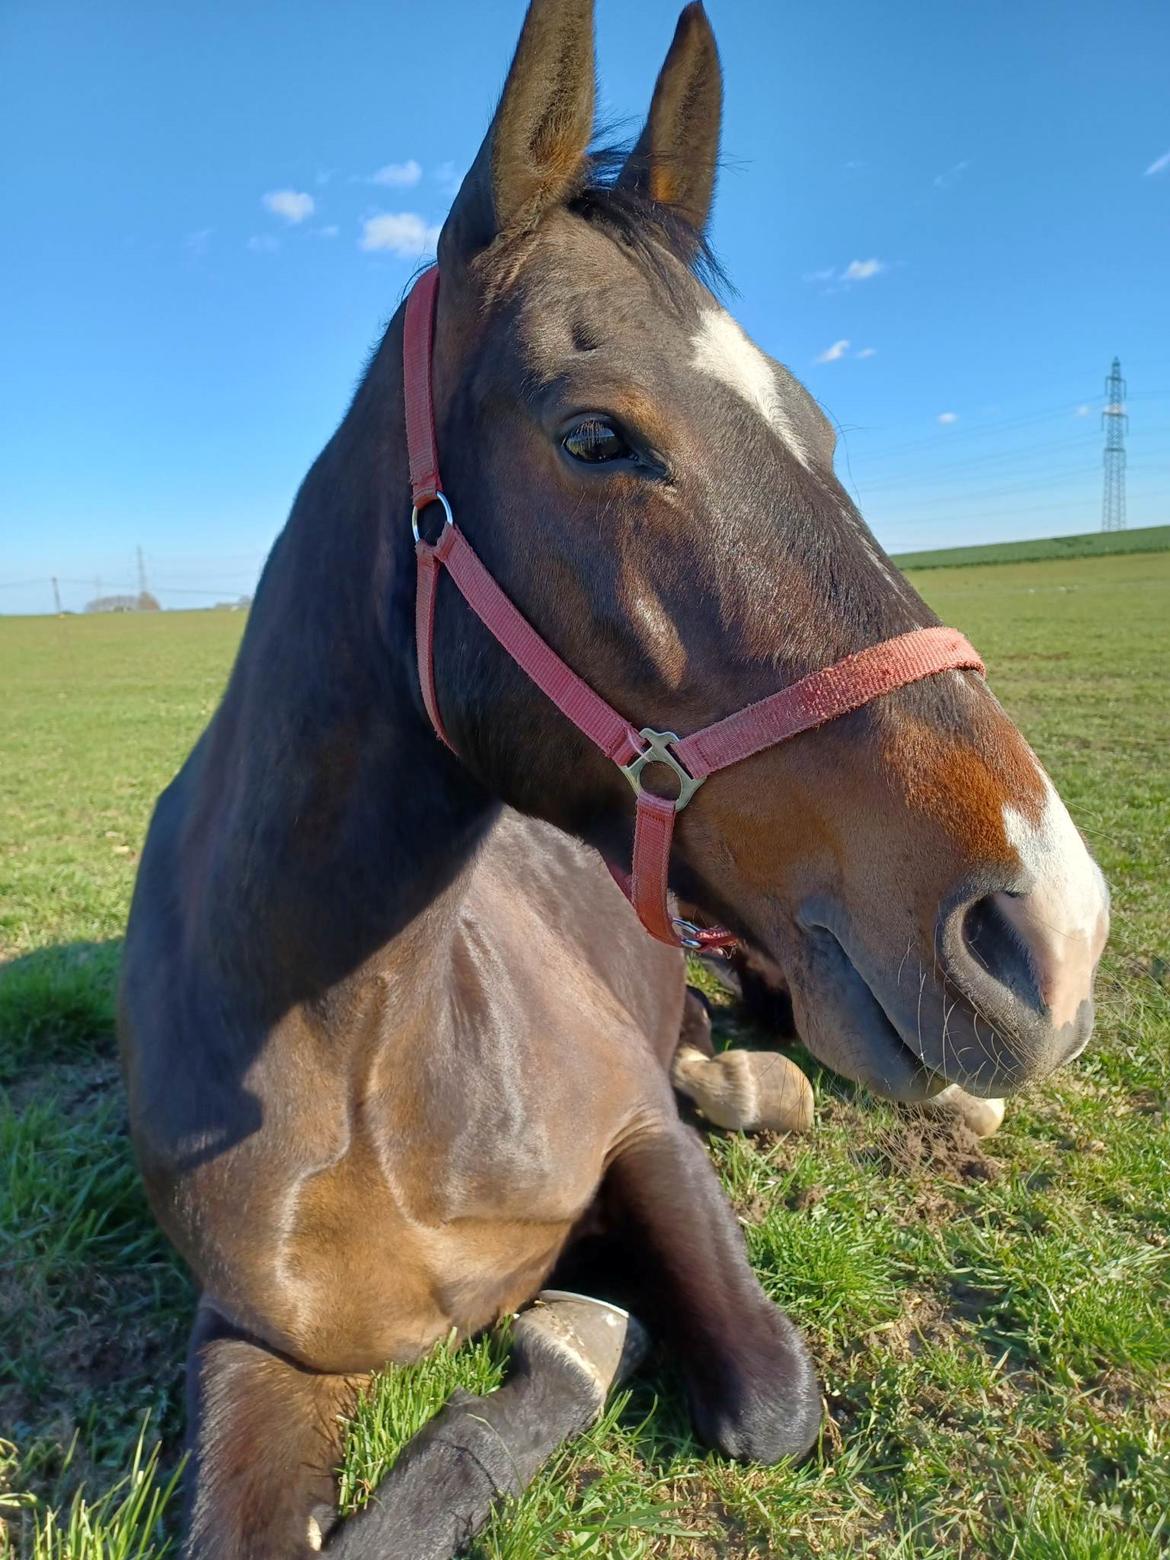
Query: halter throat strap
x=820 y=697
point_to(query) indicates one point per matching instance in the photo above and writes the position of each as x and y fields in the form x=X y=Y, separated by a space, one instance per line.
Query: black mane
x=646 y=227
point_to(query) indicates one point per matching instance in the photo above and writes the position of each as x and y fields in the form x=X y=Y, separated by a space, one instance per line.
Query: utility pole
x=1115 y=422
x=56 y=596
x=141 y=577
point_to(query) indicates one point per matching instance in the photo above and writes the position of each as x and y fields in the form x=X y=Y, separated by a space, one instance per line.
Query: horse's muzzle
x=998 y=1001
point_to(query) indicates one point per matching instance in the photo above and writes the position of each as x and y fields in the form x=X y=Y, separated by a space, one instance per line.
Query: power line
x=1004 y=457
x=166 y=590
x=965 y=495
x=951 y=436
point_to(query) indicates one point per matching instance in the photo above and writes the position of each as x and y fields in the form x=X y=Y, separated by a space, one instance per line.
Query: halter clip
x=657 y=751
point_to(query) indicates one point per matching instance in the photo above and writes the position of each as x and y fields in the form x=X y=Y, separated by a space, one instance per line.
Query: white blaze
x=1064 y=916
x=722 y=350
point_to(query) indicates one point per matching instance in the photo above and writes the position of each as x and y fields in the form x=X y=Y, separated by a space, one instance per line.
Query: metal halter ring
x=657 y=751
x=439 y=498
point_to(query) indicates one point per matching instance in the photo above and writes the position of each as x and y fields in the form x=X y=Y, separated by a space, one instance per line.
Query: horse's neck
x=327 y=816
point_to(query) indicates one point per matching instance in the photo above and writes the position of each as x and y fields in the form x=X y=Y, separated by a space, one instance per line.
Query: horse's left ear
x=677 y=153
x=534 y=154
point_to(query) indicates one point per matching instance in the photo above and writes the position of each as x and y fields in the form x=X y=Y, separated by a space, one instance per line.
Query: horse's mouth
x=844 y=1024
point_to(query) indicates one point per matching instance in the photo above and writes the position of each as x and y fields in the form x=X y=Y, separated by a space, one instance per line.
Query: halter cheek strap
x=811 y=702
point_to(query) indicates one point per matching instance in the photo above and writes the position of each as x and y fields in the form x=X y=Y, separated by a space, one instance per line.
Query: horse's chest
x=521 y=1136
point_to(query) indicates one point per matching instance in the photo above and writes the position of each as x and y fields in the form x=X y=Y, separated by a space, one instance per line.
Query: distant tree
x=143 y=602
x=112 y=604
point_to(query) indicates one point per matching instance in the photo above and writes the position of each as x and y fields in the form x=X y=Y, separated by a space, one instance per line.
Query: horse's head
x=657 y=496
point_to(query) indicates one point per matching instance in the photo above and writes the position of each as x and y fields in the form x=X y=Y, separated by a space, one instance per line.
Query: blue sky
x=931 y=211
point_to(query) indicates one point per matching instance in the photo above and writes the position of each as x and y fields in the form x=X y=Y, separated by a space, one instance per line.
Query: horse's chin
x=841 y=1021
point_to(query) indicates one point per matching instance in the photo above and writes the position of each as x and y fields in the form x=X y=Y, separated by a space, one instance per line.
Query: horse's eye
x=595 y=440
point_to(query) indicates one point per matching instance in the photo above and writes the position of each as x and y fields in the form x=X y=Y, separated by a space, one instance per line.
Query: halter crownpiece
x=820 y=697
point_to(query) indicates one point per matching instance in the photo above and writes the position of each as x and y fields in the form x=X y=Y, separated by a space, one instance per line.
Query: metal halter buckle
x=657 y=751
x=439 y=498
x=688 y=932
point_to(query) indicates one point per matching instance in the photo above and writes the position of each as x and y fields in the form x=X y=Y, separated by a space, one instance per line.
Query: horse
x=396 y=1046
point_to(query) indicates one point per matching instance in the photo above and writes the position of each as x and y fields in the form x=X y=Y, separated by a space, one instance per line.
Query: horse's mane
x=646 y=227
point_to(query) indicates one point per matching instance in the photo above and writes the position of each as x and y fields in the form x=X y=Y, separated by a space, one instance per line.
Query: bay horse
x=393 y=1039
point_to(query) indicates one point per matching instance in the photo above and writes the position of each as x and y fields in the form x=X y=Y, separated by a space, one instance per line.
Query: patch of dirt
x=944 y=1148
x=1117 y=1393
x=808 y=1197
x=73 y=1086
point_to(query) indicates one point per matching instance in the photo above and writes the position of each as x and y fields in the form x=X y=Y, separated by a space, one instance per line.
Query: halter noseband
x=820 y=697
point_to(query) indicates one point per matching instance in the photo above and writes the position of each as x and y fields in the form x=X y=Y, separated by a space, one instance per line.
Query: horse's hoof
x=745 y=1091
x=600 y=1341
x=982 y=1117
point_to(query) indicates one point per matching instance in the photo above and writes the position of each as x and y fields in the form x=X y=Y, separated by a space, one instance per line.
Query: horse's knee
x=264 y=1438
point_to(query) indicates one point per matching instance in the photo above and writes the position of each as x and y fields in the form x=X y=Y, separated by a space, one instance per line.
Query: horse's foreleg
x=750 y=1380
x=565 y=1356
x=264 y=1440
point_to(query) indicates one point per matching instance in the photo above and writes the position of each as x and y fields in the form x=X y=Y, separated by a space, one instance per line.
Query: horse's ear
x=677 y=153
x=534 y=155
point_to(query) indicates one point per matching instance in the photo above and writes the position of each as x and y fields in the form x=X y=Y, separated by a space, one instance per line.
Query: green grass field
x=992 y=1323
x=1094 y=544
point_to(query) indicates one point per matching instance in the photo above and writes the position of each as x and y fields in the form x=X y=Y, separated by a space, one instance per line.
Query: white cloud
x=1159 y=164
x=293 y=205
x=835 y=280
x=402 y=233
x=946 y=418
x=263 y=244
x=831 y=354
x=447 y=176
x=399 y=176
x=331 y=231
x=868 y=352
x=1083 y=411
x=943 y=181
x=861 y=270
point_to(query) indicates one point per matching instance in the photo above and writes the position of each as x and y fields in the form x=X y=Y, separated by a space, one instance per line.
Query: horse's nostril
x=995 y=944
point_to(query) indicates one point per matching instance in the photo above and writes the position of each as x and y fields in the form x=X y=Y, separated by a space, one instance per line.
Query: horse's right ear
x=534 y=155
x=677 y=153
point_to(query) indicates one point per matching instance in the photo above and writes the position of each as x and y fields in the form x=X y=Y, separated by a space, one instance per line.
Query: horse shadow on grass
x=94 y=1308
x=57 y=1006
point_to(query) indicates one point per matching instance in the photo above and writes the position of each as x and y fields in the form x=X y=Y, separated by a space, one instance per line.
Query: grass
x=1095 y=544
x=992 y=1323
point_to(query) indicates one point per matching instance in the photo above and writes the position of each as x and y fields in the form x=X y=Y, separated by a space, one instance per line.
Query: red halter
x=812 y=701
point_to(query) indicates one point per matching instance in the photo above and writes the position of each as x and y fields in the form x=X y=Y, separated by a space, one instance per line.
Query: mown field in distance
x=992 y=1323
x=1096 y=544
